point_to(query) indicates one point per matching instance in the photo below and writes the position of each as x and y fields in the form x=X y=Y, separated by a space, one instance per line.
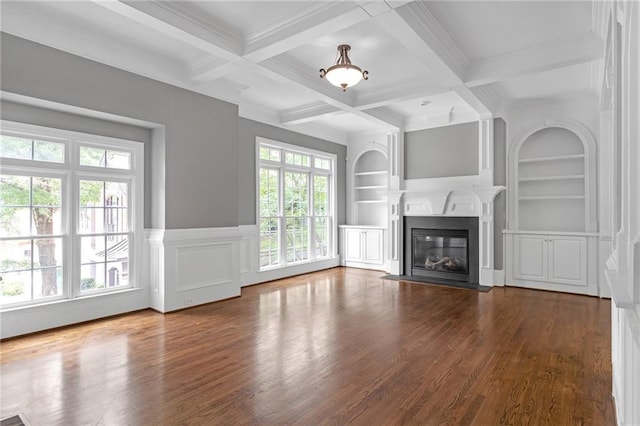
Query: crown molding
x=219 y=32
x=162 y=17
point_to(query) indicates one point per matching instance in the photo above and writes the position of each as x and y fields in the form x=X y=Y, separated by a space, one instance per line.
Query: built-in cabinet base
x=553 y=261
x=363 y=247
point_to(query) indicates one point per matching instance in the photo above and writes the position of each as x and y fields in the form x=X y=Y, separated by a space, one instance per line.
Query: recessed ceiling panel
x=372 y=49
x=550 y=84
x=430 y=105
x=252 y=17
x=272 y=94
x=484 y=29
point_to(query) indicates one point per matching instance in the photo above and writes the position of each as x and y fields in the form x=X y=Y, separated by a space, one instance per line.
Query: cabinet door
x=530 y=257
x=568 y=260
x=373 y=247
x=353 y=245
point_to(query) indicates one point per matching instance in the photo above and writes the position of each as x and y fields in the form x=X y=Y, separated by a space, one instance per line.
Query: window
x=70 y=214
x=296 y=215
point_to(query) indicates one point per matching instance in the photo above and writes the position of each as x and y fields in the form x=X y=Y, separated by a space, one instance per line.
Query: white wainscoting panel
x=194 y=266
x=217 y=261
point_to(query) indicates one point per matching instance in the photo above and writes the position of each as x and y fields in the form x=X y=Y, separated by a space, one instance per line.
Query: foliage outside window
x=66 y=222
x=295 y=204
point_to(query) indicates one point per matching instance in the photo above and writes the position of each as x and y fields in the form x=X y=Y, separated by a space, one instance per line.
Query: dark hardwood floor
x=333 y=347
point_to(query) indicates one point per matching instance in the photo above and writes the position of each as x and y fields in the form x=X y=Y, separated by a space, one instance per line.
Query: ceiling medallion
x=344 y=74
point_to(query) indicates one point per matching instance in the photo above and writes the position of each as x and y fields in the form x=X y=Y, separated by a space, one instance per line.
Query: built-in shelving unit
x=362 y=240
x=551 y=243
x=370 y=188
x=552 y=158
x=550 y=190
x=541 y=178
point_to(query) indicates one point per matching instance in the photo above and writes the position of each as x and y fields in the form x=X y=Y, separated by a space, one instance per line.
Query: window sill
x=76 y=300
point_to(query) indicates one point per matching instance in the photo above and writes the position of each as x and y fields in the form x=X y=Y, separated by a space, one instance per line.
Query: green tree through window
x=294 y=206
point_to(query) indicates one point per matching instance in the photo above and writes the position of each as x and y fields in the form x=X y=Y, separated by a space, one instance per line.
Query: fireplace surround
x=442 y=248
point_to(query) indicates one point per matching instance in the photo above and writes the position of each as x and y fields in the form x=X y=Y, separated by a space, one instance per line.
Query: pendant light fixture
x=344 y=74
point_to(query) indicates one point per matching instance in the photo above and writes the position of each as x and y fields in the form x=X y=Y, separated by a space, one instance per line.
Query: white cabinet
x=362 y=247
x=551 y=262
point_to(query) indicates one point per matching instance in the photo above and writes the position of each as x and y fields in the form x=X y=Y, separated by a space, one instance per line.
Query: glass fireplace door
x=445 y=251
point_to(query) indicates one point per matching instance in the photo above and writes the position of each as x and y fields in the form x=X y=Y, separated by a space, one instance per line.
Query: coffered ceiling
x=431 y=63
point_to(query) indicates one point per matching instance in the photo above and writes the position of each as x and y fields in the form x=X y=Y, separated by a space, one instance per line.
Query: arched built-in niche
x=370 y=184
x=552 y=179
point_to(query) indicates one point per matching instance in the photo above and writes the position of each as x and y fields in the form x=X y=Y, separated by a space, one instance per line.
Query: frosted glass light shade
x=344 y=75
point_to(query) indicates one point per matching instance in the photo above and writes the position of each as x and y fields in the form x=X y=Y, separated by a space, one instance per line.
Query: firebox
x=442 y=248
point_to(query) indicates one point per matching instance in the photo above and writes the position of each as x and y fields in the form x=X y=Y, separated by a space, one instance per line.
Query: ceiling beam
x=307 y=113
x=289 y=70
x=535 y=59
x=323 y=19
x=428 y=40
x=415 y=27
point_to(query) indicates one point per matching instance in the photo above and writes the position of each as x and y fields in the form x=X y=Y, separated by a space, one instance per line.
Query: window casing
x=295 y=204
x=71 y=212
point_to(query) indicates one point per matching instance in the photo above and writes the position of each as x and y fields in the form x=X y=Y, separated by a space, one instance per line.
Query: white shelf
x=552 y=158
x=547 y=178
x=552 y=197
x=372 y=187
x=375 y=172
x=371 y=201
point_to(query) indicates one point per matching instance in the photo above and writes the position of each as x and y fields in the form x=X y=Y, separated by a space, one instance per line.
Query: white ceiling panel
x=483 y=29
x=548 y=85
x=430 y=105
x=372 y=49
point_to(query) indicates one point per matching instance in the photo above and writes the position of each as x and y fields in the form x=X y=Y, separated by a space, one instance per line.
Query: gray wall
x=499 y=179
x=193 y=170
x=248 y=131
x=442 y=152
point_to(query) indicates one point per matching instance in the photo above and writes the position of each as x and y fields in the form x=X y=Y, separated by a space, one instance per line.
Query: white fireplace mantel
x=460 y=201
x=455 y=200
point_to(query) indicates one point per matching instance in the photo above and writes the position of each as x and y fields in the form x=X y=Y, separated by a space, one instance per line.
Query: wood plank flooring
x=341 y=346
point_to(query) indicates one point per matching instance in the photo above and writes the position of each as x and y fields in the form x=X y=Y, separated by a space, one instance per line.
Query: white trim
x=498 y=278
x=71 y=173
x=312 y=171
x=189 y=267
x=44 y=316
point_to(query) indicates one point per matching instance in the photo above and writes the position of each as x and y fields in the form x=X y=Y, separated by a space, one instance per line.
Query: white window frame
x=71 y=173
x=283 y=167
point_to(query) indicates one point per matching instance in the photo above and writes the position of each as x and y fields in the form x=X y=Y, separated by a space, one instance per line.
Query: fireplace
x=441 y=248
